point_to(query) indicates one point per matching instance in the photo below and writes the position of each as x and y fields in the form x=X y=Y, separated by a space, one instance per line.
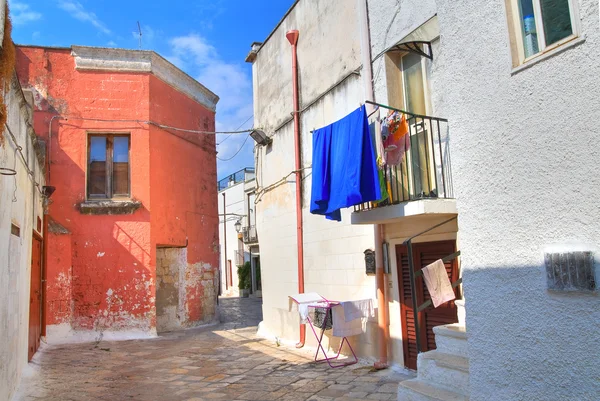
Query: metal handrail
x=425 y=172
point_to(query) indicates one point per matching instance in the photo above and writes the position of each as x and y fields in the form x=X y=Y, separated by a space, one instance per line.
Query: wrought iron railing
x=425 y=171
x=239 y=176
x=249 y=235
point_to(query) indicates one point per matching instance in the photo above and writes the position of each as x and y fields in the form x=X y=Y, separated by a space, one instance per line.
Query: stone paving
x=222 y=362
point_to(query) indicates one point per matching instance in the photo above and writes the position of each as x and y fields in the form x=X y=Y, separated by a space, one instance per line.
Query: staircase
x=442 y=374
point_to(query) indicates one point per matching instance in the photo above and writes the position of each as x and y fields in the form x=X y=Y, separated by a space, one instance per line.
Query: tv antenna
x=140 y=31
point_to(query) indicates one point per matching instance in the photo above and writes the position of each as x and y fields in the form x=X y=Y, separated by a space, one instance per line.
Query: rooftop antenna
x=140 y=31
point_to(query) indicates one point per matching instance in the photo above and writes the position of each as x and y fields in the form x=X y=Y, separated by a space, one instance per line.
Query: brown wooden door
x=423 y=255
x=35 y=297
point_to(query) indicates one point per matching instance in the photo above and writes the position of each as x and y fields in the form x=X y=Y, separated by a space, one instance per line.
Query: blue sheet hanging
x=344 y=172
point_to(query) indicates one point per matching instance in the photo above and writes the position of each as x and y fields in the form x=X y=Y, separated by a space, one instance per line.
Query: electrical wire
x=149 y=122
x=30 y=172
x=241 y=125
x=236 y=153
x=261 y=191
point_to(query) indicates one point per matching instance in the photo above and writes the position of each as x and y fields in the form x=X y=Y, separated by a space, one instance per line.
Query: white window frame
x=541 y=34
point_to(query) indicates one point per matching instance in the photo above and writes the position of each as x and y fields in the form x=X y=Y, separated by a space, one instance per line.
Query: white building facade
x=521 y=86
x=501 y=124
x=330 y=87
x=237 y=231
x=22 y=159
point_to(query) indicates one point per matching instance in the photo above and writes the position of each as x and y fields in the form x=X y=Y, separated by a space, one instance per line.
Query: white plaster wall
x=328 y=49
x=235 y=200
x=390 y=21
x=525 y=154
x=15 y=252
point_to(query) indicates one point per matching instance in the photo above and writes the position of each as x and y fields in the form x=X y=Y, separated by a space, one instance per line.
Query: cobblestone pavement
x=223 y=362
x=240 y=312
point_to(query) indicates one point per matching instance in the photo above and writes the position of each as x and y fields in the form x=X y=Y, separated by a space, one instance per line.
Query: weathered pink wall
x=183 y=177
x=113 y=256
x=59 y=278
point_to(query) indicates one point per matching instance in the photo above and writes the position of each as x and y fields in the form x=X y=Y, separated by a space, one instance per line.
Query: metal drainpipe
x=367 y=70
x=44 y=269
x=292 y=37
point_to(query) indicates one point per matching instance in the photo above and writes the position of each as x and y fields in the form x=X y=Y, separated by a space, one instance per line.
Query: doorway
x=170 y=271
x=35 y=297
x=423 y=254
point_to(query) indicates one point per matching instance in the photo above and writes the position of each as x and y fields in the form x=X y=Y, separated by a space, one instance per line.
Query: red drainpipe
x=292 y=37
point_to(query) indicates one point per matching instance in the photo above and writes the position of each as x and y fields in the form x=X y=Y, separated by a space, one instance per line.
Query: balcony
x=249 y=235
x=422 y=182
x=243 y=175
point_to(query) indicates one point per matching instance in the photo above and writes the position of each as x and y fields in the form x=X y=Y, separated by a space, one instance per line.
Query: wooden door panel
x=423 y=255
x=35 y=298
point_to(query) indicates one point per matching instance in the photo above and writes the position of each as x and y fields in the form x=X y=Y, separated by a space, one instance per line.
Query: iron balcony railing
x=239 y=176
x=239 y=257
x=425 y=171
x=249 y=235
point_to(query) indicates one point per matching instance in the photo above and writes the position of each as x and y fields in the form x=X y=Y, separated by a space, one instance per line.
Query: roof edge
x=145 y=61
x=276 y=26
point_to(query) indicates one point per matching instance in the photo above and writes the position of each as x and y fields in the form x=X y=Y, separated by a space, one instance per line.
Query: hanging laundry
x=384 y=133
x=398 y=140
x=344 y=173
x=438 y=284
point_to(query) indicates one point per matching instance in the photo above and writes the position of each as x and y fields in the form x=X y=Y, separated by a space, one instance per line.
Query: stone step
x=447 y=370
x=418 y=390
x=452 y=339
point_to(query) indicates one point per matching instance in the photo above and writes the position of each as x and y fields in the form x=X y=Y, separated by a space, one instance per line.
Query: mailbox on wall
x=369 y=261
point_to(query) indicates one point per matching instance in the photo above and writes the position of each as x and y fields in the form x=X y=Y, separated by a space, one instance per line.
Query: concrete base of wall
x=64 y=334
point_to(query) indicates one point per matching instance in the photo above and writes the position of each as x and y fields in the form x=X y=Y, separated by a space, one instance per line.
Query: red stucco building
x=132 y=242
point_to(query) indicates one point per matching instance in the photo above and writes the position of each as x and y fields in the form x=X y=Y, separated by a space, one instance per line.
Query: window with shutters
x=108 y=172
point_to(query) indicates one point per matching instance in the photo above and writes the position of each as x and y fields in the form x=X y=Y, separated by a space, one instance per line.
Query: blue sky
x=208 y=39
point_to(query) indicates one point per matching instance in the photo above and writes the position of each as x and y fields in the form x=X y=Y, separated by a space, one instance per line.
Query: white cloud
x=111 y=44
x=21 y=13
x=231 y=82
x=76 y=10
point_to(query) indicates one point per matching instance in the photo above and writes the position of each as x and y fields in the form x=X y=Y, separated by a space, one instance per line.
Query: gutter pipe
x=292 y=37
x=382 y=315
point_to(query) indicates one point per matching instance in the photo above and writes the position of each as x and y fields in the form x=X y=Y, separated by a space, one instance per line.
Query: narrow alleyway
x=237 y=313
x=223 y=362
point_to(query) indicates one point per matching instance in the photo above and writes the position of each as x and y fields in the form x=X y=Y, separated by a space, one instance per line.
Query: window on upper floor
x=539 y=26
x=408 y=89
x=108 y=166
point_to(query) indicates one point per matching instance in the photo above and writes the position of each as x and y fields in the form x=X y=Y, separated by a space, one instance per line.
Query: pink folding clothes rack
x=318 y=301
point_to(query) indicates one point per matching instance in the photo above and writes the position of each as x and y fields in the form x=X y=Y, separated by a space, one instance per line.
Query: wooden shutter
x=423 y=255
